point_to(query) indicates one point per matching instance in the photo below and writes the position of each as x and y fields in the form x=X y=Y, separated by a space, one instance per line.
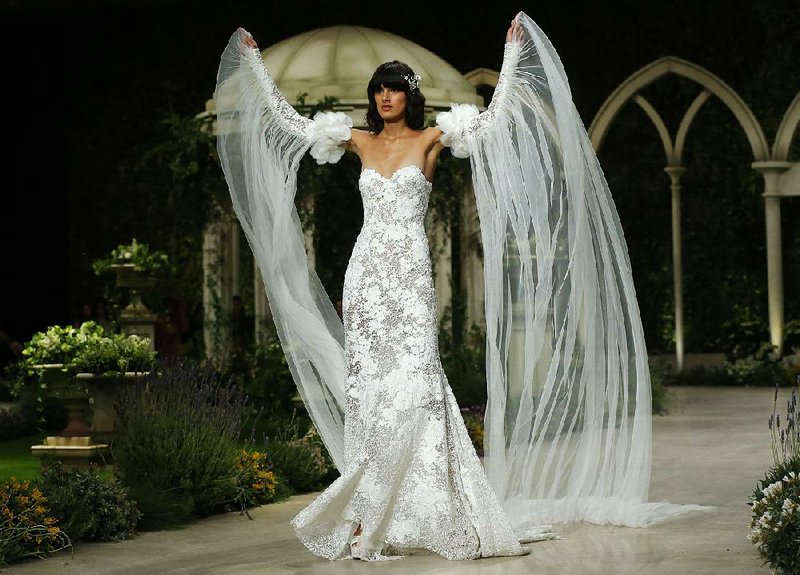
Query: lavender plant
x=176 y=448
x=786 y=438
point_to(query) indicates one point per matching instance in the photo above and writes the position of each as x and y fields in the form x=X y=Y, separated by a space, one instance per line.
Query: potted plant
x=111 y=362
x=76 y=364
x=47 y=369
x=135 y=257
x=137 y=269
x=135 y=265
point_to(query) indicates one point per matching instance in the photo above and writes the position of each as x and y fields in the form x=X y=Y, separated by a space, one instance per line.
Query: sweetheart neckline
x=374 y=171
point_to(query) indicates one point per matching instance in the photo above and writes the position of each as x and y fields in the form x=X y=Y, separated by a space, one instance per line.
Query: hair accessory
x=413 y=82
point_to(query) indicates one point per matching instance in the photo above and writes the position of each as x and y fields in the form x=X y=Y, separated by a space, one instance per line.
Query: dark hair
x=390 y=75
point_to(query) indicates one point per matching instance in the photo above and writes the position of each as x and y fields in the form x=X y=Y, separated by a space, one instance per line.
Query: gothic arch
x=645 y=76
x=786 y=131
x=673 y=147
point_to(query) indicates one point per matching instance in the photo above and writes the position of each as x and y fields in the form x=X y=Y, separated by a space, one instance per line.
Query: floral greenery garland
x=136 y=253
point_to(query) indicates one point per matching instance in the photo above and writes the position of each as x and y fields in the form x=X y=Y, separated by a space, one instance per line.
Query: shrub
x=88 y=348
x=59 y=344
x=775 y=523
x=256 y=482
x=27 y=529
x=17 y=421
x=465 y=366
x=659 y=375
x=115 y=353
x=775 y=526
x=302 y=461
x=266 y=377
x=87 y=507
x=786 y=438
x=176 y=446
x=473 y=420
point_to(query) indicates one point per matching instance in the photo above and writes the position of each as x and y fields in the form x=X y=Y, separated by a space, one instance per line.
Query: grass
x=16 y=458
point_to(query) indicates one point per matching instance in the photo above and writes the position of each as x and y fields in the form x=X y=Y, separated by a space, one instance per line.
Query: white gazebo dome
x=339 y=61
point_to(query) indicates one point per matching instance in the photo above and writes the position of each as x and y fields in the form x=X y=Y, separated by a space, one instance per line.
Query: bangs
x=389 y=79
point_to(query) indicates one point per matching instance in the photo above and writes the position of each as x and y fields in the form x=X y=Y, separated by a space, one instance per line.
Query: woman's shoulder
x=433 y=132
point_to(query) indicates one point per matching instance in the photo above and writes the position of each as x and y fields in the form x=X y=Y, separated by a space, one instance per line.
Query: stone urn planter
x=61 y=385
x=136 y=318
x=104 y=391
x=135 y=281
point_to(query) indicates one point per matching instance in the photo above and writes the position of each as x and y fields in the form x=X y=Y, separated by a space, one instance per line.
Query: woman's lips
x=386 y=107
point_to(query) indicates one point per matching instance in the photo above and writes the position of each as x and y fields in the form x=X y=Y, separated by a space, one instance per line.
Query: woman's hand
x=515 y=33
x=248 y=38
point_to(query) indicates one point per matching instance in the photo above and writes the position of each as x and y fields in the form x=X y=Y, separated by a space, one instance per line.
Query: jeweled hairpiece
x=413 y=82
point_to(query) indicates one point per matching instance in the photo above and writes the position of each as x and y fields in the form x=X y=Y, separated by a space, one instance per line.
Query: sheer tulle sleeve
x=260 y=140
x=567 y=429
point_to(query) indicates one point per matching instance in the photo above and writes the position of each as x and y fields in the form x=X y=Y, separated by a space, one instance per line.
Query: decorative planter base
x=104 y=391
x=72 y=452
x=73 y=395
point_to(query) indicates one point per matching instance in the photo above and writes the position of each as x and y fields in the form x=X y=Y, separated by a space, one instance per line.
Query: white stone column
x=262 y=313
x=471 y=264
x=675 y=173
x=309 y=206
x=235 y=254
x=771 y=171
x=441 y=258
x=216 y=289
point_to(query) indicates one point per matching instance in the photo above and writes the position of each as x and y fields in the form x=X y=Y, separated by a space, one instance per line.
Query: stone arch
x=786 y=131
x=645 y=76
x=630 y=89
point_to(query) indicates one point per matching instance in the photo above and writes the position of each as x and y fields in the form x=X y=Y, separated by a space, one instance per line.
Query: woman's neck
x=395 y=129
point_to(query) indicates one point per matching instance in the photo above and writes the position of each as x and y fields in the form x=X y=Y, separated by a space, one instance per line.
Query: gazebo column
x=261 y=312
x=309 y=206
x=471 y=264
x=771 y=171
x=675 y=173
x=235 y=253
x=441 y=259
x=217 y=287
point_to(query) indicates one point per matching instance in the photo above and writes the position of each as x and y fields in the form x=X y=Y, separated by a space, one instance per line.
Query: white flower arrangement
x=775 y=524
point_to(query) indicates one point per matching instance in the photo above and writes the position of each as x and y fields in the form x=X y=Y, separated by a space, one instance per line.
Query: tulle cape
x=568 y=428
x=568 y=419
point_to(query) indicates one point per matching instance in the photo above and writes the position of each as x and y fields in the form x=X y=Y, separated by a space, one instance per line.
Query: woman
x=568 y=416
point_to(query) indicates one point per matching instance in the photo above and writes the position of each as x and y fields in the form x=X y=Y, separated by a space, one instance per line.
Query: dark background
x=85 y=86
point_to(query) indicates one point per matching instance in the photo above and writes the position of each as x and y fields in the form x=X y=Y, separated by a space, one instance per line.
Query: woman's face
x=391 y=103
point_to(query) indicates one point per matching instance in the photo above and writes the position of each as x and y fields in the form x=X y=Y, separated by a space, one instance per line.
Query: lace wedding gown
x=567 y=427
x=412 y=478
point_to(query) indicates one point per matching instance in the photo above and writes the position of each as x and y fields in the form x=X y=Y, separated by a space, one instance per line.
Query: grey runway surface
x=710 y=449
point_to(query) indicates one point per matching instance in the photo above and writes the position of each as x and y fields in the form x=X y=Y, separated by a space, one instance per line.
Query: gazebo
x=338 y=62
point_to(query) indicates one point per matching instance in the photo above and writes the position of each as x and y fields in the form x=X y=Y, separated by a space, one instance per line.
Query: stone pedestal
x=76 y=401
x=136 y=318
x=104 y=390
x=72 y=452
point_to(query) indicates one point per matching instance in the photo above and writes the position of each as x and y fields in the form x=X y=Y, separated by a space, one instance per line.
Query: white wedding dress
x=412 y=478
x=568 y=429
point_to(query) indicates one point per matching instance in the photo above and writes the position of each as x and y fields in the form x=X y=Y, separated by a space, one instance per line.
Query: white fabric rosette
x=328 y=134
x=453 y=124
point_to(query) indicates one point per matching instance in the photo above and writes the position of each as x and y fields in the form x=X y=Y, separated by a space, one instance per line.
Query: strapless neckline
x=397 y=171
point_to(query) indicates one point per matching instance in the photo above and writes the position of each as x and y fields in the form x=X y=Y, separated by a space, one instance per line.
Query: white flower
x=329 y=132
x=453 y=124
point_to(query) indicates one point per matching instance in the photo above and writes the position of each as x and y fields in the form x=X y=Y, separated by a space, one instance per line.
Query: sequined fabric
x=412 y=478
